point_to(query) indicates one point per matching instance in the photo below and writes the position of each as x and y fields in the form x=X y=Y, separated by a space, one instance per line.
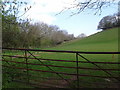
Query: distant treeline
x=24 y=34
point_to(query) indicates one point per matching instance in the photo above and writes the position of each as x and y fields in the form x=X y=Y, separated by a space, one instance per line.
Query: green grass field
x=105 y=41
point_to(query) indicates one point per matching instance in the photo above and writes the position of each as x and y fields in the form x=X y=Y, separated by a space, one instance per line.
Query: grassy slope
x=101 y=41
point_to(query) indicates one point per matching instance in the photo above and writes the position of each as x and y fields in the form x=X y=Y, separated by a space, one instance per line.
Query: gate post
x=77 y=70
x=26 y=60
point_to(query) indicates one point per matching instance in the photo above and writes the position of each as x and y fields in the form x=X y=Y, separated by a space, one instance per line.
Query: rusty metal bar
x=62 y=51
x=60 y=72
x=64 y=66
x=36 y=76
x=64 y=60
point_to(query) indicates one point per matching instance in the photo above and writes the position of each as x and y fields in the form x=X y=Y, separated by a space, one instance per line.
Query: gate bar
x=62 y=51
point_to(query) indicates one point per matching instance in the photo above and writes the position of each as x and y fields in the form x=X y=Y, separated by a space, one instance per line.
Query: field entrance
x=61 y=69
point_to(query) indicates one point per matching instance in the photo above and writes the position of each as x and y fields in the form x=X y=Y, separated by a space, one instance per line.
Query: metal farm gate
x=73 y=69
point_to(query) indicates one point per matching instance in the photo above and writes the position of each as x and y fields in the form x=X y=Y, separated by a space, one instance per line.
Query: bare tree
x=94 y=5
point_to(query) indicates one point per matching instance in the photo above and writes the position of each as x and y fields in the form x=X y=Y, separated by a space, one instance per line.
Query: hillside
x=102 y=41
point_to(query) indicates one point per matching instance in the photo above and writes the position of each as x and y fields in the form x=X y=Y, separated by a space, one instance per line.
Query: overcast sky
x=85 y=22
